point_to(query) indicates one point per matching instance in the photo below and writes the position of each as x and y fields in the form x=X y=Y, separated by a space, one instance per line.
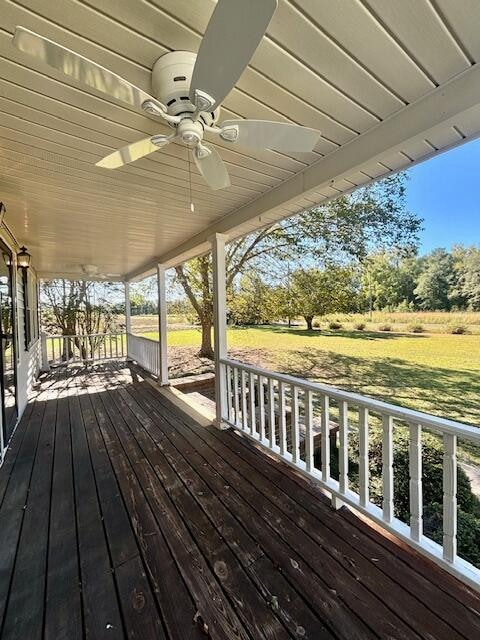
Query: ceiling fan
x=189 y=89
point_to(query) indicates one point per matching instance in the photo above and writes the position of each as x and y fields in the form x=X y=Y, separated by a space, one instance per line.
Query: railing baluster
x=449 y=497
x=282 y=426
x=325 y=425
x=343 y=446
x=261 y=407
x=243 y=376
x=309 y=460
x=271 y=413
x=294 y=428
x=251 y=397
x=363 y=456
x=415 y=470
x=228 y=373
x=235 y=396
x=387 y=467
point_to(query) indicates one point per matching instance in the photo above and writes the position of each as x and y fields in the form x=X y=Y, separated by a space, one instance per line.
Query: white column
x=45 y=365
x=219 y=324
x=128 y=319
x=162 y=325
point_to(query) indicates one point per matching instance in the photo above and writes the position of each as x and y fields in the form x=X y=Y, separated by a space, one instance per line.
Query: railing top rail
x=88 y=335
x=408 y=415
x=133 y=335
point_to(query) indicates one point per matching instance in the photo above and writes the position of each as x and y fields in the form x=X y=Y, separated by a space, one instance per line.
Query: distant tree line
x=385 y=280
x=439 y=281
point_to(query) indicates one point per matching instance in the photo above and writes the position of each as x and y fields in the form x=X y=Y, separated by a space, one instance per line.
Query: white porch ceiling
x=388 y=83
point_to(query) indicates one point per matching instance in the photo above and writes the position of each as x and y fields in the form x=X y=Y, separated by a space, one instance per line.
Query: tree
x=253 y=302
x=78 y=307
x=388 y=280
x=434 y=285
x=349 y=227
x=466 y=292
x=318 y=292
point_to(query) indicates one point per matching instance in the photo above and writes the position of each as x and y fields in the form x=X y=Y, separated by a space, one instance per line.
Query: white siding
x=28 y=362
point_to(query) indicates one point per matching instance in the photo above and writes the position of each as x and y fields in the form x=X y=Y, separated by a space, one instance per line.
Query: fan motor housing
x=171 y=77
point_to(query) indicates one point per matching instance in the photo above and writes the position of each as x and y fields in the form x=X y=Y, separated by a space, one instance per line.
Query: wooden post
x=128 y=317
x=416 y=492
x=45 y=363
x=162 y=326
x=363 y=456
x=220 y=325
x=449 y=497
x=387 y=467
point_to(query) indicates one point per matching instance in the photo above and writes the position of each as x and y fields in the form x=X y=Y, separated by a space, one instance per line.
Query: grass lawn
x=436 y=373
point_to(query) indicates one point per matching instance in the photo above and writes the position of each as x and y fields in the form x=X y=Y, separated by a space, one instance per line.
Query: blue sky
x=445 y=192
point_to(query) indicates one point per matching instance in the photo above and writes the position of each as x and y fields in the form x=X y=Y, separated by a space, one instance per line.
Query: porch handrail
x=133 y=335
x=69 y=349
x=402 y=413
x=257 y=403
x=145 y=351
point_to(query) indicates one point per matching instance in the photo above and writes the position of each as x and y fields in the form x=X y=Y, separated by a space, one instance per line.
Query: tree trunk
x=206 y=349
x=309 y=321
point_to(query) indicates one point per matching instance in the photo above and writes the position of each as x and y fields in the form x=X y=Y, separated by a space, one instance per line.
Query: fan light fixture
x=188 y=90
x=23 y=258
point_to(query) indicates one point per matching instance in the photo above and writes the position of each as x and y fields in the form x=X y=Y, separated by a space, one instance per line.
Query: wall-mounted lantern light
x=7 y=258
x=23 y=258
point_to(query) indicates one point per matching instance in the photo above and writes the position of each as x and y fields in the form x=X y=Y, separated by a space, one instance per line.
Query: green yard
x=438 y=373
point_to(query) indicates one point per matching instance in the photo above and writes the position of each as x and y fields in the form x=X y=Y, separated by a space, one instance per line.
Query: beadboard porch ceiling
x=388 y=83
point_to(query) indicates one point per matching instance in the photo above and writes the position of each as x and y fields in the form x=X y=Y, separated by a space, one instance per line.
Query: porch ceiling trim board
x=439 y=110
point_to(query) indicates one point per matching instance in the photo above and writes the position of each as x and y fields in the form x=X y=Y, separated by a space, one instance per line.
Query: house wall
x=27 y=358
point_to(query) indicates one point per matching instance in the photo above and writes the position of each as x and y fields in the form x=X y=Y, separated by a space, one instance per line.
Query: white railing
x=145 y=352
x=294 y=418
x=82 y=348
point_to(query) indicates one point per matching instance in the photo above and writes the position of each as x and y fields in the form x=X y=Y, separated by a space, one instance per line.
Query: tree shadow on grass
x=358 y=335
x=442 y=392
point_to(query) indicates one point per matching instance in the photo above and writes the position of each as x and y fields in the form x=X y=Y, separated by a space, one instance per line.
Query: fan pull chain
x=192 y=206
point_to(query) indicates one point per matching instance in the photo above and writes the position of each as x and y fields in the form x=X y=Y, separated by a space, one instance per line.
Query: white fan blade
x=80 y=68
x=211 y=166
x=232 y=36
x=134 y=151
x=263 y=134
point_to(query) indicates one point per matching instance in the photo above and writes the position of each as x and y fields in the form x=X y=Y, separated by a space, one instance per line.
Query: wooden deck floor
x=121 y=517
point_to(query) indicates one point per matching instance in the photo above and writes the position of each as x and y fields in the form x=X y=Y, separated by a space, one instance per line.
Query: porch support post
x=219 y=325
x=128 y=316
x=45 y=365
x=162 y=326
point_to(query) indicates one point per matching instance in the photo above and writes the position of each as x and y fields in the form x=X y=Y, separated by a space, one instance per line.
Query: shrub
x=334 y=325
x=359 y=326
x=457 y=329
x=384 y=327
x=468 y=531
x=317 y=324
x=416 y=328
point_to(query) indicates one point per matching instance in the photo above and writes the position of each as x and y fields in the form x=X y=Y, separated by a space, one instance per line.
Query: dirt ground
x=184 y=361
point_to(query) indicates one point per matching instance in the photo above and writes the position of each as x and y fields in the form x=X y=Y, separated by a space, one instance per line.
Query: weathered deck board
x=122 y=517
